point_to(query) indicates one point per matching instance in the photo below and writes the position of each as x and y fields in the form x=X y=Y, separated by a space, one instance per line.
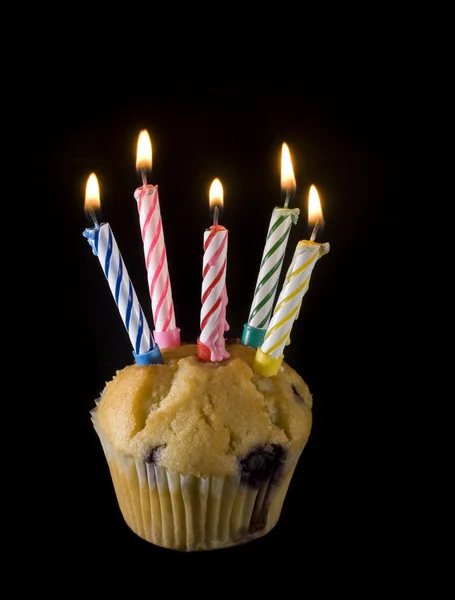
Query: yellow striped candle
x=270 y=355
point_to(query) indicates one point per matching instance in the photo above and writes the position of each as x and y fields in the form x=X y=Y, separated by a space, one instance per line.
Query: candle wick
x=216 y=214
x=287 y=198
x=91 y=213
x=315 y=231
x=144 y=177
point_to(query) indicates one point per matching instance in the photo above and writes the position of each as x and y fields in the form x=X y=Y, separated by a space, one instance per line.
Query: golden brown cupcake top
x=203 y=418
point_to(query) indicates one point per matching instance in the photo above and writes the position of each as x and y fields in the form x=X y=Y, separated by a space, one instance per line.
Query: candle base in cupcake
x=167 y=339
x=214 y=352
x=266 y=365
x=203 y=351
x=152 y=357
x=253 y=336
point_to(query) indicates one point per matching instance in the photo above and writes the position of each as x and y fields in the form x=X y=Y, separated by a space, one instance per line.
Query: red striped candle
x=166 y=333
x=211 y=342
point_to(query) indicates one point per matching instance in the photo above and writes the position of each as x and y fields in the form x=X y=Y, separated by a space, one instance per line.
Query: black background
x=349 y=142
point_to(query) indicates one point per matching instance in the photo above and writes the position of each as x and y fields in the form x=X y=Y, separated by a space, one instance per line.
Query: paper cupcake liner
x=191 y=513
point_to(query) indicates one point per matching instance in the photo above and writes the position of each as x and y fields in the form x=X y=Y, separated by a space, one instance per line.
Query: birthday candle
x=104 y=245
x=270 y=355
x=211 y=342
x=280 y=225
x=148 y=205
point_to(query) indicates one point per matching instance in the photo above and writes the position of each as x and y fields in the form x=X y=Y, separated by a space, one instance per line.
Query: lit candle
x=166 y=333
x=211 y=342
x=270 y=355
x=272 y=258
x=103 y=244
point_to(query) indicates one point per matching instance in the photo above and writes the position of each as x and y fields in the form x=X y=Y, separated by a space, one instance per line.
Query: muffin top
x=202 y=418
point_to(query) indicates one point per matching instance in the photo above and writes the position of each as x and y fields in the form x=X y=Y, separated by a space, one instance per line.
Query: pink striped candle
x=211 y=342
x=166 y=333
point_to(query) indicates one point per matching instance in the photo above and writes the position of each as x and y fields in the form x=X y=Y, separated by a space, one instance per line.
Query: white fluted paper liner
x=193 y=513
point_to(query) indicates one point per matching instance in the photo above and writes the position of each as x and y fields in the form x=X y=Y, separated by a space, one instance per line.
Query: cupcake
x=201 y=454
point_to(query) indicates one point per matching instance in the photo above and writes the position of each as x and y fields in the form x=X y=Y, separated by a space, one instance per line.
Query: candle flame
x=92 y=194
x=144 y=151
x=314 y=207
x=216 y=194
x=287 y=172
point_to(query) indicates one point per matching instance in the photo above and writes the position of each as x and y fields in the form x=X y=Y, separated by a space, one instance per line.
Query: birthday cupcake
x=202 y=453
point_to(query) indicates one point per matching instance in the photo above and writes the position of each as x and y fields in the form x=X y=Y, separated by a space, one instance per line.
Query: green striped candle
x=272 y=259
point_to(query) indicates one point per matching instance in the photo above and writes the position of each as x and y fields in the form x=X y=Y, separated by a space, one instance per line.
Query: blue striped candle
x=103 y=244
